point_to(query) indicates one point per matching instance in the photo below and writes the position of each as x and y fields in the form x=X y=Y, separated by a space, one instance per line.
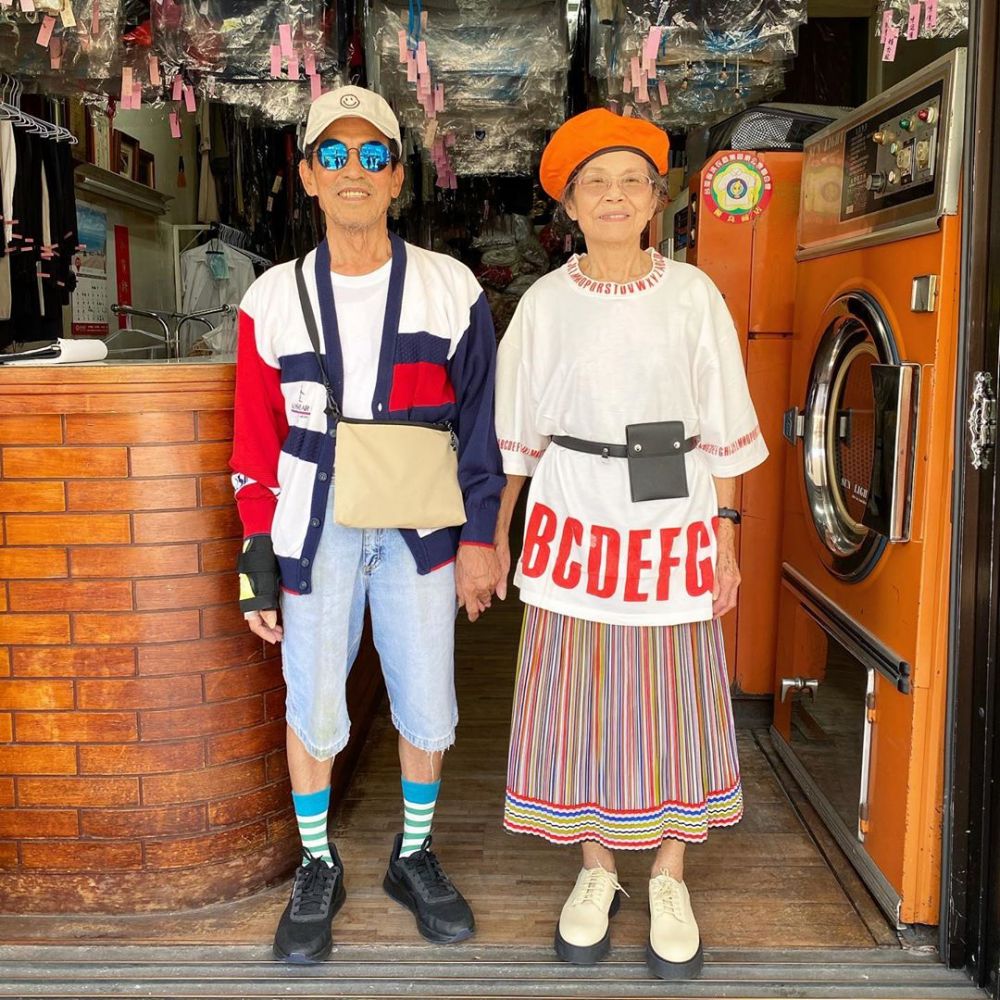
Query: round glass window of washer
x=851 y=434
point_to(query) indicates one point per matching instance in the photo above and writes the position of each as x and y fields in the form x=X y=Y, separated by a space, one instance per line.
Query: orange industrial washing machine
x=862 y=633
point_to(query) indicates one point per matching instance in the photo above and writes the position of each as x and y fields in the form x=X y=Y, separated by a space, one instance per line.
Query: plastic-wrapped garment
x=494 y=57
x=278 y=102
x=235 y=39
x=950 y=18
x=84 y=45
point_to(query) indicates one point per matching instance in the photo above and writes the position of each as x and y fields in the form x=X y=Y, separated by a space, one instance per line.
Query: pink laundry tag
x=45 y=31
x=626 y=82
x=664 y=96
x=275 y=60
x=423 y=20
x=452 y=181
x=411 y=68
x=653 y=43
x=439 y=97
x=125 y=101
x=889 y=46
x=913 y=22
x=285 y=38
x=422 y=58
x=175 y=125
x=642 y=92
x=425 y=85
x=154 y=71
x=293 y=68
x=27 y=6
x=136 y=95
x=635 y=68
x=930 y=13
x=886 y=24
x=55 y=54
x=449 y=140
x=310 y=62
x=127 y=85
x=178 y=89
x=315 y=86
x=627 y=111
x=95 y=19
x=402 y=45
x=189 y=99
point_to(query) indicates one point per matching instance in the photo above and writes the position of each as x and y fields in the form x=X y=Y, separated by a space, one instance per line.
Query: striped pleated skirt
x=621 y=734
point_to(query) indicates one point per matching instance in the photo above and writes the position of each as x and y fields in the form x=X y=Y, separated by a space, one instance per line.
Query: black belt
x=610 y=450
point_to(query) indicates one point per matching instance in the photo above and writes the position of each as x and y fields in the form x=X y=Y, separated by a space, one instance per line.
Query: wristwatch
x=730 y=514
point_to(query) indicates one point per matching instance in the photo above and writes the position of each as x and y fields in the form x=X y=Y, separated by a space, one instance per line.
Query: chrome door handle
x=805 y=685
x=982 y=421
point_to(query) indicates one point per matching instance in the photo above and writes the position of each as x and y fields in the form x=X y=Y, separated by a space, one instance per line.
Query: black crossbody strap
x=310 y=317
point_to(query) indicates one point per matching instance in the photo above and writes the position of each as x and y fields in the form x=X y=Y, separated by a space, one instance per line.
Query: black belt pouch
x=656 y=465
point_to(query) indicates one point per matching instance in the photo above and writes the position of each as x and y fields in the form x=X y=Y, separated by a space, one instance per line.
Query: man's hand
x=265 y=624
x=727 y=572
x=477 y=570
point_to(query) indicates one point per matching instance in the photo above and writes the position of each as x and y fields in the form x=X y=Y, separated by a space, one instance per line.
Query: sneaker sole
x=588 y=954
x=400 y=896
x=663 y=969
x=320 y=956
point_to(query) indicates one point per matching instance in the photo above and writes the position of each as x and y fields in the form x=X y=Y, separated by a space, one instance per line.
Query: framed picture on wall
x=127 y=159
x=147 y=168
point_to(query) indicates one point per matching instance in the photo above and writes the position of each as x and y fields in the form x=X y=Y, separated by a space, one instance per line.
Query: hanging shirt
x=585 y=358
x=360 y=303
x=202 y=289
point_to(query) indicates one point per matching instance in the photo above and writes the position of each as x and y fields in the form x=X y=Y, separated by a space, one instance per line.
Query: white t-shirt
x=360 y=300
x=585 y=358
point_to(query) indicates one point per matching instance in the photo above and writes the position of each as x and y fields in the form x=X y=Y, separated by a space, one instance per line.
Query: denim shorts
x=413 y=625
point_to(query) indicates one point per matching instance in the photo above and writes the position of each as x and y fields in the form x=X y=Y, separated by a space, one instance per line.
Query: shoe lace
x=426 y=870
x=593 y=888
x=665 y=896
x=313 y=888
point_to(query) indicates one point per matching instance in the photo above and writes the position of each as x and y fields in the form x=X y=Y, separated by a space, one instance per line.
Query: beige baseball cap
x=351 y=102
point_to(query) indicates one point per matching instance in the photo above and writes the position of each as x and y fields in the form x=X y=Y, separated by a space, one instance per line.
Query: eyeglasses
x=633 y=185
x=373 y=156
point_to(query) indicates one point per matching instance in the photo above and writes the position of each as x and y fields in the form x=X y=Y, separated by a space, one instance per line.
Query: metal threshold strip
x=468 y=971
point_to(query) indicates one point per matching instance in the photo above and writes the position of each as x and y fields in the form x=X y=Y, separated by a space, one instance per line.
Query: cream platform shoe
x=674 y=950
x=583 y=936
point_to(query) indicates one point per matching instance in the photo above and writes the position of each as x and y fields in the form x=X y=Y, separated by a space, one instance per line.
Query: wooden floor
x=775 y=881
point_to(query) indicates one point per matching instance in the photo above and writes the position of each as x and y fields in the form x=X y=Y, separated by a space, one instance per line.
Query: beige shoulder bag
x=388 y=473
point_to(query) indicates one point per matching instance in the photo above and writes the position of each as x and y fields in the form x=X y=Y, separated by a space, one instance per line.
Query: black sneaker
x=443 y=915
x=303 y=935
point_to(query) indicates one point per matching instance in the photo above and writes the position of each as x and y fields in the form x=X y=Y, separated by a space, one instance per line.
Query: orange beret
x=594 y=132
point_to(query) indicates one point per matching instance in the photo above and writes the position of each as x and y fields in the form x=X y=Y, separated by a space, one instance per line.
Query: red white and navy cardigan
x=437 y=363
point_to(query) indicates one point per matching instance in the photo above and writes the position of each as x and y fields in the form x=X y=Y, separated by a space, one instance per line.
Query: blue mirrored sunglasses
x=374 y=156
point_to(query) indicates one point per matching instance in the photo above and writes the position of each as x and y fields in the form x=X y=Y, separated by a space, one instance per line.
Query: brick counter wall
x=141 y=724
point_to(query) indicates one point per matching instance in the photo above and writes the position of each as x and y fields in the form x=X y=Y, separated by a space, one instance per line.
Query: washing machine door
x=857 y=434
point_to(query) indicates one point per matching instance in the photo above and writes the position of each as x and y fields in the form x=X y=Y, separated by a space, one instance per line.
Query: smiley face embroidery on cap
x=349 y=101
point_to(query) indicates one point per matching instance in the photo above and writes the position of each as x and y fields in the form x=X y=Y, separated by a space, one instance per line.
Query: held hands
x=265 y=624
x=477 y=570
x=727 y=572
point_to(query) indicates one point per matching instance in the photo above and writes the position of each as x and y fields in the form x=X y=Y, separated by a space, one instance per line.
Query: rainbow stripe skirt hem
x=621 y=734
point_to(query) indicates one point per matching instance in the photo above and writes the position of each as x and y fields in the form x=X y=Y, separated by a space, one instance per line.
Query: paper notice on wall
x=90 y=298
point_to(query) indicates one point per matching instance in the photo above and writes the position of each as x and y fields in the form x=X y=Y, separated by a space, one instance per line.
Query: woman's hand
x=265 y=624
x=727 y=572
x=502 y=546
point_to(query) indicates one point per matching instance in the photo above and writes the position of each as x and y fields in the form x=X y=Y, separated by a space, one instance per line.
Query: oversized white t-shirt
x=360 y=301
x=585 y=358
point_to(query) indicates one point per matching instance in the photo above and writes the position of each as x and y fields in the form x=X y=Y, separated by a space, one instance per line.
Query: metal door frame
x=970 y=897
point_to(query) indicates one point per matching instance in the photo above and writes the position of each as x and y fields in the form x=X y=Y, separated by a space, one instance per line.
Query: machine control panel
x=890 y=168
x=891 y=158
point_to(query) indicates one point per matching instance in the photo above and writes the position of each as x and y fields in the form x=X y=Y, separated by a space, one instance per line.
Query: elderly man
x=406 y=336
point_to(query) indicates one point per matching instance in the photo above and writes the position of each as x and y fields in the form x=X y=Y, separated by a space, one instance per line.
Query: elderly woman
x=621 y=392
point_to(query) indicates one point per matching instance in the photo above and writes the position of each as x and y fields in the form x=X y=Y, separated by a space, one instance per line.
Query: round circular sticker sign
x=736 y=187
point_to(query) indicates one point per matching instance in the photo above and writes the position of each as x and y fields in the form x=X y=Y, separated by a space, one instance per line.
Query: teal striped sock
x=419 y=799
x=310 y=813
